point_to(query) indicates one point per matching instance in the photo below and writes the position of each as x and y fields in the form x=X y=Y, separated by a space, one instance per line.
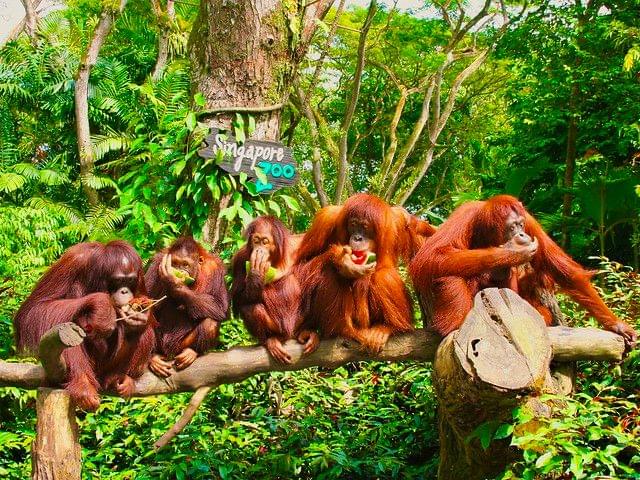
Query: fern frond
x=27 y=170
x=51 y=178
x=10 y=182
x=70 y=214
x=112 y=141
x=102 y=221
x=98 y=182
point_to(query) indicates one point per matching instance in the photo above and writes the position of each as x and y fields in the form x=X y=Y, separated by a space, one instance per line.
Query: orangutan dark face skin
x=262 y=248
x=121 y=287
x=514 y=229
x=360 y=235
x=515 y=237
x=186 y=262
x=263 y=239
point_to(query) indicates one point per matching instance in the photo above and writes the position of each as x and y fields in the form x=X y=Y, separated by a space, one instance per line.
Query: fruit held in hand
x=269 y=277
x=183 y=276
x=363 y=257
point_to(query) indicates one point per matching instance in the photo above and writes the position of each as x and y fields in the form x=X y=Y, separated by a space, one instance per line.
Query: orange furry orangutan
x=347 y=263
x=497 y=243
x=265 y=291
x=197 y=301
x=96 y=286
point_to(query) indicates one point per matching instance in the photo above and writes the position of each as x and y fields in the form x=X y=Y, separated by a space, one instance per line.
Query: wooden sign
x=273 y=158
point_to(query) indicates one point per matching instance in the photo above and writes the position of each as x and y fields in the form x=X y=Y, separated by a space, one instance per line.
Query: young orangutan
x=265 y=292
x=497 y=243
x=197 y=301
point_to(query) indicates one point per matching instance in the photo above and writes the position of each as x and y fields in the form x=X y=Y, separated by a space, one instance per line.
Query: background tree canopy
x=427 y=109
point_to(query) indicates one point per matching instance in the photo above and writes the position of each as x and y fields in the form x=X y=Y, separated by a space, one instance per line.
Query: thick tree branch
x=81 y=95
x=166 y=21
x=417 y=128
x=325 y=50
x=351 y=105
x=31 y=18
x=313 y=12
x=311 y=203
x=239 y=363
x=434 y=132
x=316 y=159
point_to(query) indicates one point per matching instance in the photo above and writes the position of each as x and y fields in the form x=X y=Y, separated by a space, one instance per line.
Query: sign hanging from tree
x=274 y=160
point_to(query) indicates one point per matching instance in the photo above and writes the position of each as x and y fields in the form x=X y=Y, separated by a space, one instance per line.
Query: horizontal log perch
x=238 y=363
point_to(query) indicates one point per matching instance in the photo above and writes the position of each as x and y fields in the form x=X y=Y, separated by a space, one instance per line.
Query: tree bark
x=56 y=449
x=52 y=344
x=244 y=55
x=81 y=95
x=166 y=21
x=30 y=19
x=343 y=164
x=499 y=359
x=241 y=54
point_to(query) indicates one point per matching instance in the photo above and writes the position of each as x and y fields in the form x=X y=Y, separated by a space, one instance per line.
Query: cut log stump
x=499 y=359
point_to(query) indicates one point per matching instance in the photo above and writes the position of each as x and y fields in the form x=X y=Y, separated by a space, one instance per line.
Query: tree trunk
x=499 y=359
x=81 y=94
x=165 y=24
x=55 y=451
x=30 y=19
x=241 y=57
x=244 y=56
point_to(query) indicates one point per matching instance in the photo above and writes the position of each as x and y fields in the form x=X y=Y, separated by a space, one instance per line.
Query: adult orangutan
x=497 y=243
x=265 y=292
x=347 y=263
x=197 y=301
x=94 y=285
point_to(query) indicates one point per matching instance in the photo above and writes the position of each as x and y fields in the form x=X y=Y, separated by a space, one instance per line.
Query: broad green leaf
x=199 y=99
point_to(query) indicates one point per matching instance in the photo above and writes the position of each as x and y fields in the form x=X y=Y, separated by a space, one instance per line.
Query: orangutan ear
x=200 y=259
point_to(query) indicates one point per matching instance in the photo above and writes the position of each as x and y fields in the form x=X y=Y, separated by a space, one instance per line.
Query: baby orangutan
x=197 y=301
x=266 y=292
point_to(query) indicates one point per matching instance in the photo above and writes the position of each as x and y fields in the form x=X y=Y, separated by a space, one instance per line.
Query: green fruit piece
x=269 y=277
x=182 y=276
x=271 y=274
x=371 y=257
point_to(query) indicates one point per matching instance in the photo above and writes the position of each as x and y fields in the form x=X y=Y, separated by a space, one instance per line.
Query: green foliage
x=507 y=133
x=566 y=68
x=368 y=421
x=588 y=436
x=595 y=432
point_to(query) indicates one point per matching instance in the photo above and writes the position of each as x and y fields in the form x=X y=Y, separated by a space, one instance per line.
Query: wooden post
x=499 y=359
x=55 y=453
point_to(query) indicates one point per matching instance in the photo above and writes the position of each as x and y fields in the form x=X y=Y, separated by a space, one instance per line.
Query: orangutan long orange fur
x=371 y=308
x=455 y=262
